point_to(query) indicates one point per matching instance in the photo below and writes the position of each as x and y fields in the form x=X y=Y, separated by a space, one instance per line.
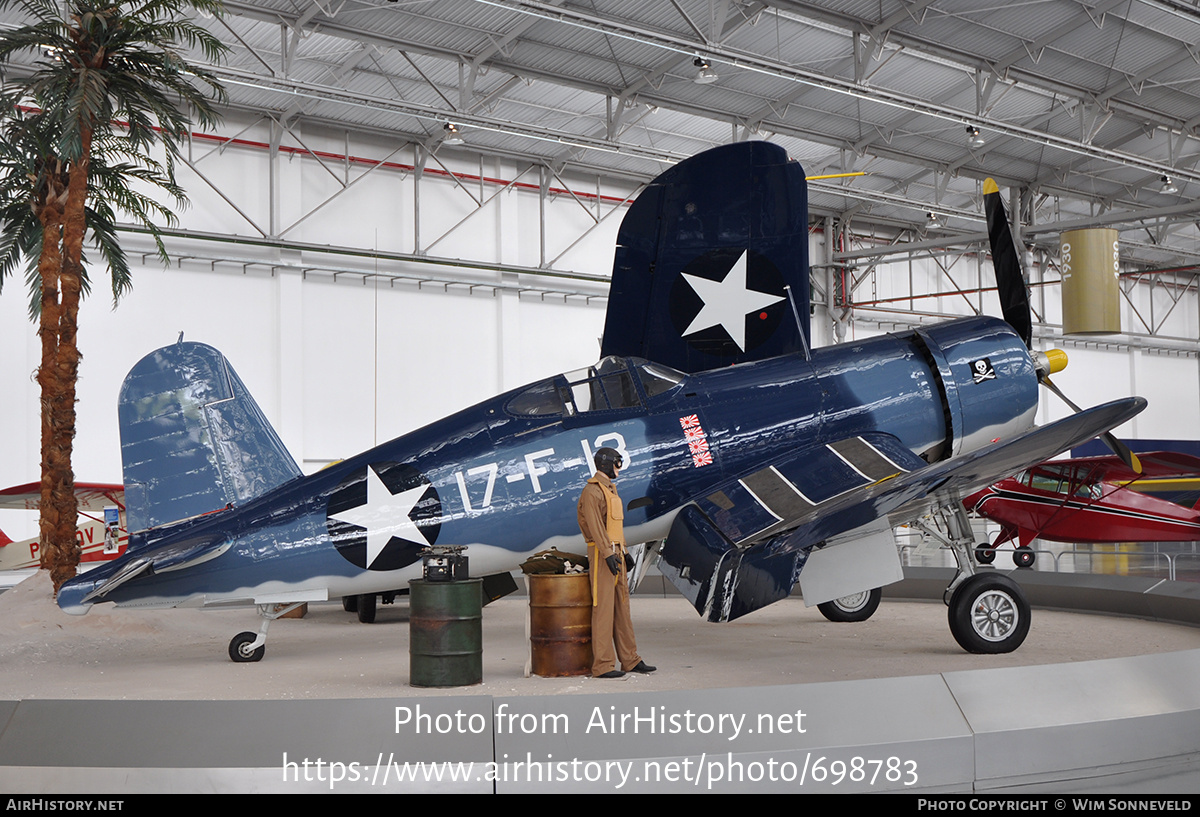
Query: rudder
x=193 y=440
x=727 y=224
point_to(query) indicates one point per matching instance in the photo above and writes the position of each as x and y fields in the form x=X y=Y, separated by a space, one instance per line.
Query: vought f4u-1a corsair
x=752 y=462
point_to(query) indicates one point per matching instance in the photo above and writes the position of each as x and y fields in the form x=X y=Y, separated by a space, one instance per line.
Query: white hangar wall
x=342 y=351
x=346 y=350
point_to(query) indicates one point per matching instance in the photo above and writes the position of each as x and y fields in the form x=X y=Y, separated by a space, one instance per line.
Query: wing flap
x=722 y=581
x=798 y=486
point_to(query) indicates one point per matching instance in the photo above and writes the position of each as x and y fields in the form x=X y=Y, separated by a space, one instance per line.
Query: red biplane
x=101 y=533
x=1089 y=499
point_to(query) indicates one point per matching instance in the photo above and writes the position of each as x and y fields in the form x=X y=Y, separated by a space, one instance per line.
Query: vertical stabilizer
x=702 y=259
x=192 y=438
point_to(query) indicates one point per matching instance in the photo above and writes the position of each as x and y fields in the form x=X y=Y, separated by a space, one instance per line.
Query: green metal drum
x=445 y=627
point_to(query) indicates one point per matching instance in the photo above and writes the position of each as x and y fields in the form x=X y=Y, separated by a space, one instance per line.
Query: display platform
x=782 y=700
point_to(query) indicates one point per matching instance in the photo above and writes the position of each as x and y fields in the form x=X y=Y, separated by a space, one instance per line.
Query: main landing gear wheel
x=239 y=648
x=989 y=614
x=366 y=608
x=855 y=607
x=1024 y=557
x=985 y=554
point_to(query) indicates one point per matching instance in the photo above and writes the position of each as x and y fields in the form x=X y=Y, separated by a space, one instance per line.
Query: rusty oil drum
x=445 y=633
x=560 y=624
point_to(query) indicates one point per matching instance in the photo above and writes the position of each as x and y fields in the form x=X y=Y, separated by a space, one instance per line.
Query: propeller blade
x=1010 y=282
x=1114 y=445
x=1061 y=396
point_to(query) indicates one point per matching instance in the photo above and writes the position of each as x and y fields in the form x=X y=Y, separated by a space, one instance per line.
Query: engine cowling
x=988 y=381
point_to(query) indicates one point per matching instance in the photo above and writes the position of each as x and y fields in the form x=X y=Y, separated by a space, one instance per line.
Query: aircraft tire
x=366 y=608
x=985 y=554
x=239 y=648
x=989 y=614
x=855 y=607
x=1024 y=557
x=350 y=604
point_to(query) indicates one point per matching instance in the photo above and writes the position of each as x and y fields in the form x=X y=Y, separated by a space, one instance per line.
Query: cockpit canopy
x=607 y=386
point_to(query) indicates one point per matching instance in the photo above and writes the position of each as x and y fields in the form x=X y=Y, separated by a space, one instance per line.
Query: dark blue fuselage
x=503 y=477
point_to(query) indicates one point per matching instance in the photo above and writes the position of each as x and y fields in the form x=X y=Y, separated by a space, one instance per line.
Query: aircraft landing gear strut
x=248 y=647
x=988 y=611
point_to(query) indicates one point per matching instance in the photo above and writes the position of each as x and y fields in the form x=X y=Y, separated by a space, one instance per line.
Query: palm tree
x=33 y=185
x=111 y=83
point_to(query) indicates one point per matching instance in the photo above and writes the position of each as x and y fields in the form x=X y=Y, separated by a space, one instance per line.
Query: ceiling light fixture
x=933 y=221
x=453 y=136
x=705 y=75
x=974 y=140
x=745 y=61
x=1168 y=186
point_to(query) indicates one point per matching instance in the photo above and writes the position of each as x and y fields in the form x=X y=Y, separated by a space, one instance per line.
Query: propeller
x=1014 y=306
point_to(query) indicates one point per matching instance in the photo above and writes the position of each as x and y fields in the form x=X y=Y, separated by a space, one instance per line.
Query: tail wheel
x=989 y=614
x=366 y=608
x=855 y=607
x=1024 y=557
x=985 y=554
x=239 y=648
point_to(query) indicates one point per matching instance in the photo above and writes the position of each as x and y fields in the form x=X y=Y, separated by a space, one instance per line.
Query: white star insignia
x=728 y=302
x=385 y=515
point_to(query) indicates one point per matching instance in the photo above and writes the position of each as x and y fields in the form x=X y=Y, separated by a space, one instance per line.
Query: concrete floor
x=181 y=654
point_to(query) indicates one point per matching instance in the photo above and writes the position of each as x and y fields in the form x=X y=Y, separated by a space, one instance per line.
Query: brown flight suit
x=601 y=520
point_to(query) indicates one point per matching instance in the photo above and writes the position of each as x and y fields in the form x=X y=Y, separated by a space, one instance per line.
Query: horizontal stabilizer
x=131 y=570
x=150 y=560
x=187 y=553
x=192 y=438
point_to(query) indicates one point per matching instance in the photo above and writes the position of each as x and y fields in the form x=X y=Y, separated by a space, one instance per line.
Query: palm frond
x=113 y=73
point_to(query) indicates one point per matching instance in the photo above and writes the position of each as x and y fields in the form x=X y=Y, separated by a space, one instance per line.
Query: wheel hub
x=994 y=616
x=853 y=602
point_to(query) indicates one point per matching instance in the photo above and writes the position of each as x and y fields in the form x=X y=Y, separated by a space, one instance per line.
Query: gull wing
x=742 y=546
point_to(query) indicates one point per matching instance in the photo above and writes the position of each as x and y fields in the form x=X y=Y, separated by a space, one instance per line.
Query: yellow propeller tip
x=835 y=176
x=990 y=186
